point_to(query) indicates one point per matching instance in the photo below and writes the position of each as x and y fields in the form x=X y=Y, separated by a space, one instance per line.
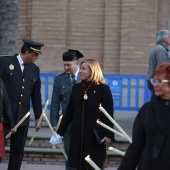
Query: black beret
x=35 y=46
x=71 y=55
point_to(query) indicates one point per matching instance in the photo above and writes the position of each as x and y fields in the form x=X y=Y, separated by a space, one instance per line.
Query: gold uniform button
x=19 y=102
x=22 y=87
x=21 y=95
x=23 y=79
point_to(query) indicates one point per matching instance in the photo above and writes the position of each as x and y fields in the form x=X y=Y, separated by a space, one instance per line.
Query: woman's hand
x=57 y=139
x=106 y=140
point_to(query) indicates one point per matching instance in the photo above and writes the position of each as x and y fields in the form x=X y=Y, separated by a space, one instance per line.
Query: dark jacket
x=150 y=149
x=21 y=88
x=5 y=109
x=60 y=97
x=61 y=94
x=83 y=115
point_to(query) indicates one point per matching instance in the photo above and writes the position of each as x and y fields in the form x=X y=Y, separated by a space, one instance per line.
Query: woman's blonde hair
x=96 y=71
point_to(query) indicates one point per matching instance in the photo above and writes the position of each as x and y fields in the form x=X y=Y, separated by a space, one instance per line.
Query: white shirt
x=76 y=75
x=21 y=63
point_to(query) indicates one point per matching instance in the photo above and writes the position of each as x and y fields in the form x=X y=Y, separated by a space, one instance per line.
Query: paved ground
x=3 y=166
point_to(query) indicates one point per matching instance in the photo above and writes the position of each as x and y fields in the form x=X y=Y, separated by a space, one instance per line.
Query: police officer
x=22 y=80
x=63 y=84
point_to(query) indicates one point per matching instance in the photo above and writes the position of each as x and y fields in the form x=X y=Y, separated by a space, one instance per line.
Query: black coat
x=5 y=109
x=83 y=115
x=150 y=149
x=21 y=88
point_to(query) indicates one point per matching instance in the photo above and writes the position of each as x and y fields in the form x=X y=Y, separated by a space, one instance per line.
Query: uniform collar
x=76 y=74
x=20 y=59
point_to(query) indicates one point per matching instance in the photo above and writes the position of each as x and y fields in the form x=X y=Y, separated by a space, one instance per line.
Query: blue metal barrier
x=129 y=92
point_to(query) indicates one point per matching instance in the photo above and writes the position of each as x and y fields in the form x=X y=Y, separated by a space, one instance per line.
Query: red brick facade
x=118 y=33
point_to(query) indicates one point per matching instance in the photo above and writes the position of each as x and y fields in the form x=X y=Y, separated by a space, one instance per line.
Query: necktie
x=25 y=67
x=73 y=79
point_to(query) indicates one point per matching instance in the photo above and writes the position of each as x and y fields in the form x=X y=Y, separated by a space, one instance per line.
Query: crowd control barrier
x=129 y=92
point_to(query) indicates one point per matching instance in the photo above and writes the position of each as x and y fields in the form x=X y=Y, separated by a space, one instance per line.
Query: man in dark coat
x=22 y=80
x=62 y=88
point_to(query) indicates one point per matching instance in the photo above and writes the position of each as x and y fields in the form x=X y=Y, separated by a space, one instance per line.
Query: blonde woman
x=82 y=112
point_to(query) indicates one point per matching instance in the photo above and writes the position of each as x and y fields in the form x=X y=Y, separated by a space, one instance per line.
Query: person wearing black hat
x=62 y=88
x=22 y=80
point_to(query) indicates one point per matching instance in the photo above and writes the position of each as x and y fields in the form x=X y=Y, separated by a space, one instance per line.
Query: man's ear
x=165 y=39
x=27 y=52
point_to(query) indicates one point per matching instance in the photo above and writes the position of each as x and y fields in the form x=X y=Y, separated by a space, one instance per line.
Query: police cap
x=35 y=46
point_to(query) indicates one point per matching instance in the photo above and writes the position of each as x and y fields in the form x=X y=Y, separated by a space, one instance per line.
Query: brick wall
x=119 y=34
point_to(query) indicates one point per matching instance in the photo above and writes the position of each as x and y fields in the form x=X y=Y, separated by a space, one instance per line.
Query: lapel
x=67 y=79
x=27 y=70
x=163 y=116
x=16 y=65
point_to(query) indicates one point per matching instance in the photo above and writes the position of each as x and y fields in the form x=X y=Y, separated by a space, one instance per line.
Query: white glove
x=54 y=140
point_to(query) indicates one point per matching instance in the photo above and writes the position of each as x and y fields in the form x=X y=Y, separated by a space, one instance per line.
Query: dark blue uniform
x=20 y=88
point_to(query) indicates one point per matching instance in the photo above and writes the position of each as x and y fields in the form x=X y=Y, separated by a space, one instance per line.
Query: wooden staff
x=39 y=121
x=52 y=130
x=58 y=124
x=111 y=129
x=59 y=121
x=49 y=124
x=116 y=125
x=60 y=145
x=17 y=125
x=87 y=158
x=117 y=151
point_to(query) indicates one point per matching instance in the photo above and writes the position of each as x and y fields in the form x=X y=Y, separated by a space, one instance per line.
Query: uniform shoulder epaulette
x=59 y=74
x=4 y=56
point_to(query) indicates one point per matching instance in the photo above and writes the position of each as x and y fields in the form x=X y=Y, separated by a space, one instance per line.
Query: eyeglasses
x=158 y=81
